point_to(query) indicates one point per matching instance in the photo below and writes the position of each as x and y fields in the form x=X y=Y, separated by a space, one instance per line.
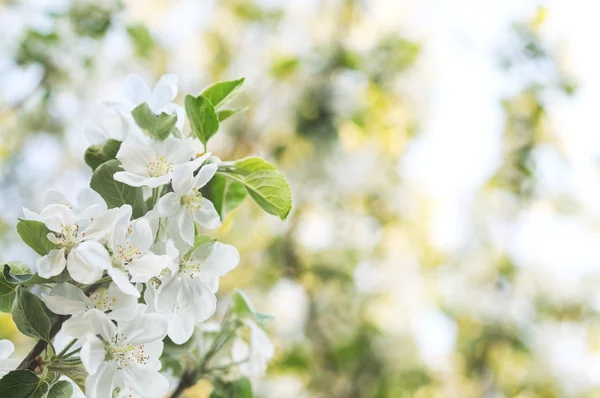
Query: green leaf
x=265 y=185
x=203 y=118
x=35 y=235
x=242 y=304
x=221 y=92
x=30 y=314
x=22 y=384
x=141 y=39
x=95 y=155
x=116 y=193
x=225 y=113
x=61 y=389
x=157 y=126
x=225 y=194
x=242 y=388
x=17 y=273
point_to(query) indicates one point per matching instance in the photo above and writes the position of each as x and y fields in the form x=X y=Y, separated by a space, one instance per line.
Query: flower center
x=124 y=354
x=124 y=254
x=68 y=237
x=192 y=201
x=189 y=268
x=101 y=300
x=159 y=167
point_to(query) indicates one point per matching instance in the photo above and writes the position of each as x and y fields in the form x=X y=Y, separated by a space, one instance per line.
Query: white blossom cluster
x=154 y=276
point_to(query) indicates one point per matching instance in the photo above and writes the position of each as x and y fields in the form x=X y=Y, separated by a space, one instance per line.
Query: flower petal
x=122 y=281
x=198 y=295
x=146 y=267
x=56 y=217
x=101 y=382
x=141 y=235
x=222 y=259
x=51 y=264
x=131 y=179
x=207 y=216
x=204 y=175
x=168 y=204
x=66 y=299
x=145 y=381
x=145 y=329
x=90 y=204
x=87 y=262
x=136 y=89
x=6 y=348
x=183 y=181
x=181 y=327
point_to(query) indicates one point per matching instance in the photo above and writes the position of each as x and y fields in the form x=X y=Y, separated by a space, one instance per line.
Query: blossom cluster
x=129 y=262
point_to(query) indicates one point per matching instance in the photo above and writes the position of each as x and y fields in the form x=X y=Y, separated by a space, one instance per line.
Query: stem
x=64 y=351
x=30 y=361
x=70 y=354
x=188 y=379
x=156 y=193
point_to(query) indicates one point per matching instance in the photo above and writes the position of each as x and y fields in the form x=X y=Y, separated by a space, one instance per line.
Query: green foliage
x=157 y=126
x=35 y=235
x=141 y=39
x=116 y=193
x=242 y=305
x=226 y=113
x=203 y=117
x=219 y=93
x=22 y=384
x=95 y=155
x=31 y=316
x=225 y=193
x=241 y=388
x=61 y=389
x=265 y=185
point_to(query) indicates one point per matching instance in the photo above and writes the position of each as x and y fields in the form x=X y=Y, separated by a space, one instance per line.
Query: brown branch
x=188 y=379
x=32 y=360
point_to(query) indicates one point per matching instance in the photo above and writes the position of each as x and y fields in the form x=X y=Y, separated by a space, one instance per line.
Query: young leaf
x=35 y=235
x=116 y=193
x=95 y=155
x=219 y=93
x=157 y=126
x=241 y=304
x=203 y=118
x=17 y=273
x=30 y=314
x=225 y=194
x=22 y=384
x=265 y=185
x=242 y=388
x=61 y=389
x=225 y=113
x=7 y=294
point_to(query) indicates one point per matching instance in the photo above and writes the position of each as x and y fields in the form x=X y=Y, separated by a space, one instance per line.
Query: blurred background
x=444 y=159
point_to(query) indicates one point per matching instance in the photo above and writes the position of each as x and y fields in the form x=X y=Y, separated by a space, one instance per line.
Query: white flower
x=67 y=299
x=89 y=204
x=76 y=251
x=151 y=163
x=187 y=293
x=7 y=348
x=159 y=98
x=256 y=355
x=109 y=128
x=130 y=253
x=185 y=204
x=126 y=356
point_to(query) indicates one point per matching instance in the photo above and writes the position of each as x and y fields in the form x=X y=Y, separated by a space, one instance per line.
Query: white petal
x=101 y=383
x=154 y=182
x=95 y=135
x=122 y=281
x=197 y=294
x=204 y=175
x=56 y=217
x=183 y=181
x=260 y=342
x=120 y=299
x=54 y=197
x=141 y=235
x=87 y=262
x=222 y=259
x=175 y=150
x=145 y=329
x=166 y=296
x=145 y=381
x=90 y=203
x=181 y=327
x=6 y=348
x=126 y=314
x=51 y=264
x=172 y=252
x=196 y=163
x=30 y=215
x=131 y=179
x=92 y=322
x=171 y=81
x=136 y=89
x=67 y=299
x=92 y=354
x=207 y=216
x=101 y=227
x=148 y=266
x=135 y=154
x=240 y=350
